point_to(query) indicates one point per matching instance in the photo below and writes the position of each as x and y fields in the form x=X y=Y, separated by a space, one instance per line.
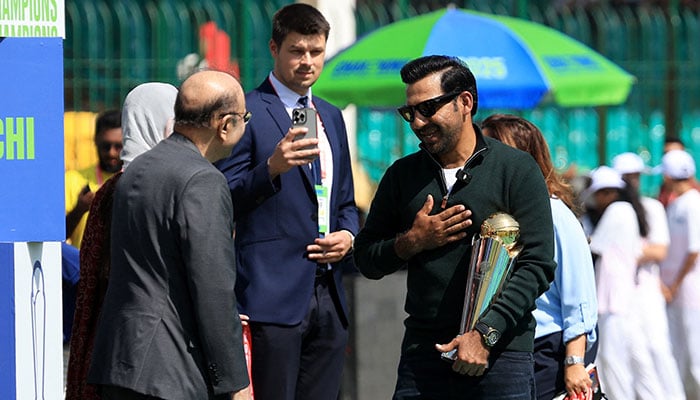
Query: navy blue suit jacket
x=277 y=219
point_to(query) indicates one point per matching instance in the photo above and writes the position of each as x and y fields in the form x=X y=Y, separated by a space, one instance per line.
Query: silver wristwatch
x=572 y=360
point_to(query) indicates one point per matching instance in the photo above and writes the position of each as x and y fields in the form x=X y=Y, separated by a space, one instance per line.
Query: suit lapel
x=275 y=108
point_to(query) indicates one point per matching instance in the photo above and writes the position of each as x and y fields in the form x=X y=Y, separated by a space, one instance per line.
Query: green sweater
x=499 y=178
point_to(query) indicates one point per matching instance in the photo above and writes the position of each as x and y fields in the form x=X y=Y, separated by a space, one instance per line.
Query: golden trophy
x=494 y=251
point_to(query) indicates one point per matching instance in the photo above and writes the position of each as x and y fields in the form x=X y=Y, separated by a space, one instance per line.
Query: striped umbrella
x=518 y=64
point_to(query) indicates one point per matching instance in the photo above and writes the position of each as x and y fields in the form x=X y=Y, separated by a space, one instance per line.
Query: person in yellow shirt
x=81 y=185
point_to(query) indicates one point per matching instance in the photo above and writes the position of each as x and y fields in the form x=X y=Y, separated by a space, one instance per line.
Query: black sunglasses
x=107 y=146
x=426 y=108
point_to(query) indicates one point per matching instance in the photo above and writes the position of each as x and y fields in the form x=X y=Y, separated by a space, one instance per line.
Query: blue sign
x=31 y=140
x=7 y=312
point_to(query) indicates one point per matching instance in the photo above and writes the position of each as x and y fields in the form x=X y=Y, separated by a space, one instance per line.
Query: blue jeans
x=423 y=375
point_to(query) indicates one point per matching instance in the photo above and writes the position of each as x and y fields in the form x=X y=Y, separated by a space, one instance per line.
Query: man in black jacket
x=427 y=208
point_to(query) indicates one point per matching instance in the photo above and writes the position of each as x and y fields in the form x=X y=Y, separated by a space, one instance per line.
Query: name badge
x=323 y=208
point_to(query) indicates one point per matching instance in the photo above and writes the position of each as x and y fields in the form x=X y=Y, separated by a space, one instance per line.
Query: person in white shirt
x=680 y=271
x=655 y=371
x=616 y=241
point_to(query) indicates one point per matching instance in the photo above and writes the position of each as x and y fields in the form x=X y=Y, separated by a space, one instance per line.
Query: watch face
x=491 y=338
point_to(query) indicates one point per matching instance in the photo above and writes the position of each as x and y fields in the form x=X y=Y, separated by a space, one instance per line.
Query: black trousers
x=549 y=365
x=120 y=393
x=304 y=361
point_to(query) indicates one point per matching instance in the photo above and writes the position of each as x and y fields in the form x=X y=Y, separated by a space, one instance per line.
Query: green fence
x=113 y=45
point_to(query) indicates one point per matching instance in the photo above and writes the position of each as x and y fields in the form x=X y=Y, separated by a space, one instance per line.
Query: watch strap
x=482 y=328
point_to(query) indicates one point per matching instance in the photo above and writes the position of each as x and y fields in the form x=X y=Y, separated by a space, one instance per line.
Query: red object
x=215 y=45
x=92 y=286
x=248 y=350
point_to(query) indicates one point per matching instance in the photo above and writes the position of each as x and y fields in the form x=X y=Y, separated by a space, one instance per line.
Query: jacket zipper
x=443 y=180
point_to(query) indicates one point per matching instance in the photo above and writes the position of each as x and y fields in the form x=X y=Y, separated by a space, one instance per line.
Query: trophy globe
x=503 y=227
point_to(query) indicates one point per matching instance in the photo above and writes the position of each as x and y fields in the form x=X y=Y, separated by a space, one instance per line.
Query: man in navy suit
x=295 y=220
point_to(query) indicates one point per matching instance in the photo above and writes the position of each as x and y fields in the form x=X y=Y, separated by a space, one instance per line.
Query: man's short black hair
x=300 y=18
x=456 y=75
x=107 y=120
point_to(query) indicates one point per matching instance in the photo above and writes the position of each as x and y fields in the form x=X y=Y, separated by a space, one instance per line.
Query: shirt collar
x=288 y=97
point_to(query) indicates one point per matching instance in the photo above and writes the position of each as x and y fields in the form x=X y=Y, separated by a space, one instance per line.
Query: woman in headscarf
x=147 y=118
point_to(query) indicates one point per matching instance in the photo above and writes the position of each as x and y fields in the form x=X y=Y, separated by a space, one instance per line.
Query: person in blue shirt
x=567 y=313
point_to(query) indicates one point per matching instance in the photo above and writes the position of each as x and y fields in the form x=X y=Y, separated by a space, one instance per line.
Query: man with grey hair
x=169 y=327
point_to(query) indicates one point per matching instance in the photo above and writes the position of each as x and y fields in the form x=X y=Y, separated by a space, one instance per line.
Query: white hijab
x=147 y=118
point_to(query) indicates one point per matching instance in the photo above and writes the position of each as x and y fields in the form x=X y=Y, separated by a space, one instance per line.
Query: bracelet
x=573 y=360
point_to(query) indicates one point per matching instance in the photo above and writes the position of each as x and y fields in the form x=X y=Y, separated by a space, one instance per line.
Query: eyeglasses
x=426 y=108
x=107 y=146
x=244 y=116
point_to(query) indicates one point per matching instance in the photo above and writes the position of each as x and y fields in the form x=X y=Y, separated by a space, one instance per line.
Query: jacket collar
x=288 y=97
x=480 y=149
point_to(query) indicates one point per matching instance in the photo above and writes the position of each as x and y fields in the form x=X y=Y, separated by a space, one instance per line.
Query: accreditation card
x=323 y=208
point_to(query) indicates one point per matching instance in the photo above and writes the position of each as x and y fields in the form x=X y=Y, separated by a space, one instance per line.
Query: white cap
x=629 y=163
x=678 y=164
x=605 y=177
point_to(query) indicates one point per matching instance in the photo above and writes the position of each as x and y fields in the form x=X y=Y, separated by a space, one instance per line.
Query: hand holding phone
x=287 y=154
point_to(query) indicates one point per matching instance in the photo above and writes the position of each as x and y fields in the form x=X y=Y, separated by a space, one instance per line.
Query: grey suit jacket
x=169 y=326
